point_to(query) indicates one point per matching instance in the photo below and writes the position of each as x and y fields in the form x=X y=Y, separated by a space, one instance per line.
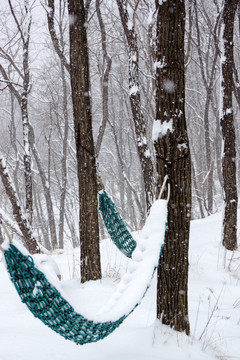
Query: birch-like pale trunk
x=24 y=29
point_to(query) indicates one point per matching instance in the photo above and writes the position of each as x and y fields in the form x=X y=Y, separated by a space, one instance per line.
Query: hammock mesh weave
x=45 y=301
x=115 y=226
x=47 y=304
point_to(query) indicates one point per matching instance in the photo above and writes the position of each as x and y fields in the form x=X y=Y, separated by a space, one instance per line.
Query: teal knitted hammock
x=115 y=225
x=46 y=302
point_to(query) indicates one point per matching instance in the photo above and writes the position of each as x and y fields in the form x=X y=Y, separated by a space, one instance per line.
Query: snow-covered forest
x=118 y=94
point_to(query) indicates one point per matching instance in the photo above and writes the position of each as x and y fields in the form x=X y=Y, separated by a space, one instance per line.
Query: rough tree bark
x=19 y=215
x=135 y=101
x=173 y=159
x=79 y=72
x=228 y=130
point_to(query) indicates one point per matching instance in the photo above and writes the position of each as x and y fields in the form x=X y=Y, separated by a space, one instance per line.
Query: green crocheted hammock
x=46 y=302
x=115 y=225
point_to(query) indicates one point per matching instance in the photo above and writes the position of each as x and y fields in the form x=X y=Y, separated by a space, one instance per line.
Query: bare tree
x=79 y=71
x=228 y=130
x=56 y=43
x=64 y=136
x=208 y=58
x=135 y=100
x=46 y=188
x=21 y=93
x=19 y=214
x=173 y=159
x=106 y=68
x=23 y=27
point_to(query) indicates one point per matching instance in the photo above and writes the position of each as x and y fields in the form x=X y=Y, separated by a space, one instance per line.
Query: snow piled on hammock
x=145 y=257
x=134 y=283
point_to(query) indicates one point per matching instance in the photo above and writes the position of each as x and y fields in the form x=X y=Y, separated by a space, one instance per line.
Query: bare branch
x=10 y=84
x=6 y=56
x=16 y=21
x=55 y=41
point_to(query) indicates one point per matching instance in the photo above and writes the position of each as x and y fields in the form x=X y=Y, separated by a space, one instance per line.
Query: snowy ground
x=214 y=308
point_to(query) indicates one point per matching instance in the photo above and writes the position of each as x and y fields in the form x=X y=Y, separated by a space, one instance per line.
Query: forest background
x=50 y=110
x=39 y=132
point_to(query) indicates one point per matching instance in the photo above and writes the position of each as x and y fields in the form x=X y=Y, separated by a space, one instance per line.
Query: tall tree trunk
x=173 y=159
x=52 y=32
x=107 y=64
x=228 y=131
x=135 y=101
x=46 y=189
x=199 y=200
x=58 y=45
x=63 y=186
x=208 y=74
x=25 y=121
x=209 y=160
x=24 y=32
x=43 y=225
x=79 y=72
x=19 y=215
x=13 y=137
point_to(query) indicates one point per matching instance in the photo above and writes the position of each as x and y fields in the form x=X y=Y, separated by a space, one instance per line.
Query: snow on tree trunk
x=79 y=71
x=20 y=217
x=228 y=130
x=135 y=101
x=24 y=31
x=27 y=155
x=173 y=159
